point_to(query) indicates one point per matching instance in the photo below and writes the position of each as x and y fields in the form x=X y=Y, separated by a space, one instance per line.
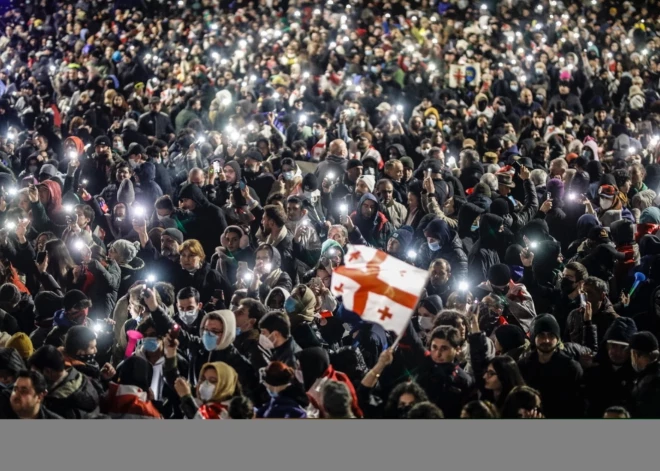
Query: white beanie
x=368 y=180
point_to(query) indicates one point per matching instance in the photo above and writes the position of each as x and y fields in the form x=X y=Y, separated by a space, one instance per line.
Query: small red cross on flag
x=378 y=287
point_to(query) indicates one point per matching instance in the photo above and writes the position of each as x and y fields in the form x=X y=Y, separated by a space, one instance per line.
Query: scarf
x=280 y=237
x=213 y=410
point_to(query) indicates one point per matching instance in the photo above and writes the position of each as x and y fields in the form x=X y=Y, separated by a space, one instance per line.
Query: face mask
x=514 y=88
x=317 y=133
x=162 y=218
x=474 y=228
x=539 y=98
x=402 y=411
x=86 y=358
x=272 y=394
x=567 y=286
x=481 y=106
x=446 y=128
x=308 y=195
x=368 y=52
x=150 y=344
x=291 y=305
x=425 y=323
x=502 y=109
x=209 y=340
x=374 y=69
x=431 y=123
x=206 y=391
x=133 y=164
x=606 y=203
x=434 y=246
x=538 y=71
x=265 y=342
x=32 y=168
x=188 y=316
x=299 y=376
x=288 y=176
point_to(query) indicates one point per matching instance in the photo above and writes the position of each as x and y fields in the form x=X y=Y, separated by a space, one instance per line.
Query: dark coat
x=205 y=280
x=74 y=397
x=206 y=216
x=606 y=387
x=645 y=401
x=451 y=249
x=484 y=253
x=447 y=385
x=286 y=405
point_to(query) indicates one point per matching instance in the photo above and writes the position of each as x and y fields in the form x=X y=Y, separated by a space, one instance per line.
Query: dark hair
x=448 y=333
x=580 y=270
x=87 y=211
x=399 y=390
x=38 y=381
x=187 y=293
x=240 y=407
x=78 y=338
x=520 y=397
x=480 y=410
x=276 y=321
x=166 y=292
x=321 y=122
x=336 y=399
x=256 y=309
x=425 y=410
x=276 y=213
x=164 y=202
x=295 y=200
x=618 y=410
x=451 y=318
x=508 y=375
x=597 y=284
x=47 y=356
x=621 y=177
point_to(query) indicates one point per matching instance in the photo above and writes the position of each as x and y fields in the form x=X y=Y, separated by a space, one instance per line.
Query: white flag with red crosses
x=378 y=287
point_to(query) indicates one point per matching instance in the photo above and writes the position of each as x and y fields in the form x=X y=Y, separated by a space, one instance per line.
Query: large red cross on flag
x=378 y=287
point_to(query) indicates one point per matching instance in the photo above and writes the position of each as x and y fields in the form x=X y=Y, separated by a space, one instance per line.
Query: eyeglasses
x=214 y=332
x=490 y=373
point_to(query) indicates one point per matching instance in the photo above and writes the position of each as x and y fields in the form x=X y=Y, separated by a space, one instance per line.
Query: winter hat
x=229 y=331
x=127 y=250
x=407 y=163
x=433 y=304
x=499 y=275
x=623 y=232
x=483 y=189
x=545 y=323
x=509 y=337
x=277 y=374
x=126 y=193
x=22 y=344
x=556 y=188
x=102 y=141
x=9 y=295
x=314 y=361
x=175 y=234
x=331 y=244
x=46 y=303
x=74 y=298
x=512 y=255
x=403 y=235
x=369 y=180
x=310 y=183
x=353 y=163
x=500 y=207
x=650 y=216
x=135 y=371
x=644 y=342
x=621 y=331
x=48 y=169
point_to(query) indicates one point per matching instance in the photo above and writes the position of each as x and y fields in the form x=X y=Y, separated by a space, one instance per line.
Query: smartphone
x=583 y=299
x=242 y=265
x=216 y=167
x=103 y=205
x=218 y=294
x=548 y=196
x=241 y=185
x=429 y=172
x=41 y=256
x=174 y=334
x=72 y=218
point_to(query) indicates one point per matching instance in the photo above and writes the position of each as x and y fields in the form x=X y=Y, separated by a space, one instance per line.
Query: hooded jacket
x=206 y=215
x=451 y=249
x=73 y=397
x=276 y=278
x=376 y=230
x=484 y=253
x=148 y=191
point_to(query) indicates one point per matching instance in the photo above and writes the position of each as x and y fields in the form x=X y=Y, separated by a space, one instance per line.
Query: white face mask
x=426 y=323
x=206 y=391
x=162 y=218
x=188 y=316
x=265 y=342
x=606 y=203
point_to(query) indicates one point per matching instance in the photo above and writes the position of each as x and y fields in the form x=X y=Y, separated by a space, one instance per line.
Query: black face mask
x=481 y=106
x=567 y=286
x=89 y=359
x=402 y=411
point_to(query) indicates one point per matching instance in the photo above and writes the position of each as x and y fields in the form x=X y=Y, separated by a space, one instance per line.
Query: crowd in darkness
x=180 y=179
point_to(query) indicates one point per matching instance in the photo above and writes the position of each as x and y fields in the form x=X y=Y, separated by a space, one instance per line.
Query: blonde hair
x=194 y=247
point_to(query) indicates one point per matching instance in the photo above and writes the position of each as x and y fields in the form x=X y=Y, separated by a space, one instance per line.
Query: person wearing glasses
x=501 y=376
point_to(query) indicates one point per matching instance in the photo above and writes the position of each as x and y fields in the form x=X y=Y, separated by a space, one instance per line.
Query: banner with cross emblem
x=378 y=287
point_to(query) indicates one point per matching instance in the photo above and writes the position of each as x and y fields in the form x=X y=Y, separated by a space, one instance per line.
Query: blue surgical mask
x=287 y=175
x=317 y=133
x=209 y=340
x=238 y=331
x=474 y=227
x=290 y=305
x=150 y=344
x=514 y=88
x=434 y=246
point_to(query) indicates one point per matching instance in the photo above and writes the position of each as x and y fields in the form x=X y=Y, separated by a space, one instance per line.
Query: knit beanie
x=369 y=180
x=22 y=344
x=643 y=199
x=126 y=250
x=545 y=323
x=499 y=275
x=126 y=193
x=556 y=188
x=650 y=216
x=9 y=295
x=46 y=303
x=500 y=207
x=509 y=336
x=331 y=244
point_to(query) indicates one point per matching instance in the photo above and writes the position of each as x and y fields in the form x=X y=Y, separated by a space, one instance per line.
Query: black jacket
x=209 y=220
x=484 y=252
x=559 y=382
x=606 y=387
x=155 y=124
x=73 y=397
x=205 y=280
x=447 y=385
x=452 y=252
x=286 y=353
x=247 y=343
x=645 y=401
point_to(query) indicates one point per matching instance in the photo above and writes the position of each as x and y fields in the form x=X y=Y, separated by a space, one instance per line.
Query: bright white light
x=268 y=266
x=412 y=254
x=572 y=197
x=10 y=225
x=343 y=208
x=305 y=75
x=151 y=278
x=462 y=286
x=484 y=6
x=431 y=67
x=534 y=245
x=13 y=191
x=331 y=175
x=139 y=211
x=215 y=56
x=68 y=208
x=79 y=245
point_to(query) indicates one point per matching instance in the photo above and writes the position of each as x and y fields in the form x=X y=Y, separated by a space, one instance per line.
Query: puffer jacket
x=73 y=397
x=451 y=249
x=519 y=308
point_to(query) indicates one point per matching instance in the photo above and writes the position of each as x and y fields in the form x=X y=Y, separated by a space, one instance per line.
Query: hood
x=594 y=148
x=314 y=361
x=399 y=148
x=527 y=147
x=76 y=141
x=365 y=197
x=279 y=289
x=55 y=195
x=135 y=371
x=11 y=360
x=536 y=229
x=229 y=331
x=126 y=192
x=134 y=265
x=650 y=216
x=439 y=229
x=237 y=169
x=466 y=216
x=585 y=223
x=60 y=319
x=147 y=172
x=275 y=256
x=489 y=229
x=623 y=232
x=305 y=312
x=481 y=201
x=195 y=193
x=225 y=388
x=649 y=245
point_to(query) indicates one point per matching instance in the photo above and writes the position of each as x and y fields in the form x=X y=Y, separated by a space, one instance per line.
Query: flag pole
x=398 y=339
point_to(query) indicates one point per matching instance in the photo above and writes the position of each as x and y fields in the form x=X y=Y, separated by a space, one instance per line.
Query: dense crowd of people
x=180 y=179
